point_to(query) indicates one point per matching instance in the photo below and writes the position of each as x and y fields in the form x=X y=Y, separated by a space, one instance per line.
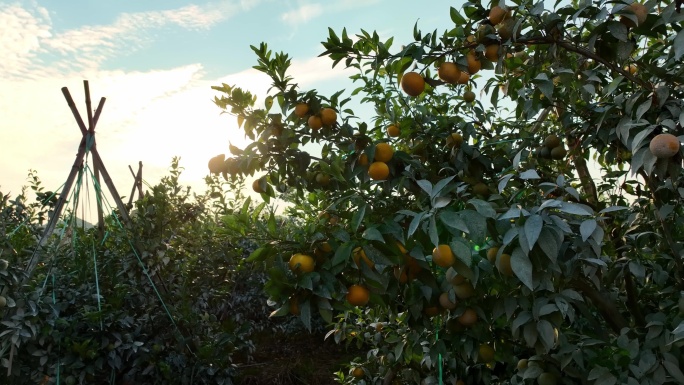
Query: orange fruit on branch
x=383 y=152
x=442 y=256
x=449 y=72
x=301 y=263
x=357 y=295
x=393 y=130
x=497 y=14
x=664 y=146
x=378 y=171
x=413 y=83
x=328 y=116
x=315 y=122
x=301 y=109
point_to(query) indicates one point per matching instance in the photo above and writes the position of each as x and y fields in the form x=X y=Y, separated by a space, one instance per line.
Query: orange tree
x=510 y=214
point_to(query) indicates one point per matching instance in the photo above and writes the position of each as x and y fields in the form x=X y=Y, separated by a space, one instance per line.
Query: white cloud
x=302 y=14
x=149 y=116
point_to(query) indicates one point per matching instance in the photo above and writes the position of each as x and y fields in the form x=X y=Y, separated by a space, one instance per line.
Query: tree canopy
x=510 y=213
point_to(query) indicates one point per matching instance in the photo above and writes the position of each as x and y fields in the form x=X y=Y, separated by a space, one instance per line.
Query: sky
x=155 y=63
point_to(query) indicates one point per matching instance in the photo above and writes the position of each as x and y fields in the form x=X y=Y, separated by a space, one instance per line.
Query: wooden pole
x=98 y=190
x=78 y=165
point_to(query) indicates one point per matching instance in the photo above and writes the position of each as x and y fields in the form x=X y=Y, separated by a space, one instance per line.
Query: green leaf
x=587 y=228
x=456 y=17
x=343 y=253
x=533 y=227
x=529 y=174
x=432 y=230
x=548 y=243
x=373 y=234
x=575 y=208
x=357 y=218
x=482 y=207
x=477 y=225
x=678 y=45
x=462 y=251
x=453 y=220
x=547 y=334
x=522 y=267
x=305 y=314
x=613 y=85
x=415 y=223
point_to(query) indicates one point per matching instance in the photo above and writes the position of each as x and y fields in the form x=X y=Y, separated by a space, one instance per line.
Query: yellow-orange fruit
x=492 y=52
x=363 y=160
x=664 y=146
x=378 y=171
x=469 y=96
x=301 y=263
x=468 y=318
x=474 y=63
x=505 y=265
x=641 y=13
x=454 y=140
x=358 y=255
x=315 y=122
x=412 y=83
x=393 y=130
x=301 y=109
x=383 y=152
x=497 y=14
x=442 y=256
x=257 y=187
x=357 y=295
x=328 y=116
x=463 y=79
x=449 y=72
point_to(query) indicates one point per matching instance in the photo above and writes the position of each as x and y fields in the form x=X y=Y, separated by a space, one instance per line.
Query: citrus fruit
x=464 y=290
x=506 y=29
x=497 y=14
x=505 y=265
x=522 y=364
x=358 y=254
x=632 y=69
x=442 y=256
x=301 y=263
x=393 y=130
x=3 y=301
x=492 y=52
x=431 y=311
x=454 y=140
x=357 y=295
x=328 y=116
x=481 y=189
x=301 y=109
x=640 y=12
x=400 y=274
x=383 y=152
x=558 y=152
x=469 y=96
x=325 y=247
x=546 y=378
x=294 y=306
x=468 y=318
x=445 y=302
x=449 y=72
x=412 y=83
x=378 y=171
x=486 y=353
x=463 y=78
x=363 y=160
x=474 y=63
x=664 y=146
x=256 y=186
x=491 y=254
x=217 y=164
x=322 y=179
x=315 y=122
x=358 y=372
x=552 y=141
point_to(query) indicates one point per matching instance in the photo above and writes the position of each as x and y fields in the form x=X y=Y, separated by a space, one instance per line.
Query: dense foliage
x=510 y=214
x=166 y=299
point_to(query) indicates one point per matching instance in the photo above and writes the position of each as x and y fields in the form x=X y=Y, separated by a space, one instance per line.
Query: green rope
x=97 y=285
x=59 y=348
x=139 y=259
x=439 y=358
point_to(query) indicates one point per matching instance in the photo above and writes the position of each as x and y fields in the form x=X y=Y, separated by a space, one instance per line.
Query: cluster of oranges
x=325 y=117
x=413 y=83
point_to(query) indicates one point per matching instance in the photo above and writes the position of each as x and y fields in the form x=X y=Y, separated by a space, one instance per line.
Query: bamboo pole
x=96 y=169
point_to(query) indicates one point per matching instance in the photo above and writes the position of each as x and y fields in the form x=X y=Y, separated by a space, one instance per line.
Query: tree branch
x=632 y=302
x=608 y=310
